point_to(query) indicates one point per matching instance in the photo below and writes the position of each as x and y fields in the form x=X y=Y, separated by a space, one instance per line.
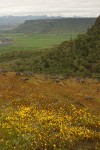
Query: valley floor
x=45 y=113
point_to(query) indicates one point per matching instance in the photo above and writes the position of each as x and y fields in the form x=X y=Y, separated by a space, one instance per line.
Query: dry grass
x=40 y=114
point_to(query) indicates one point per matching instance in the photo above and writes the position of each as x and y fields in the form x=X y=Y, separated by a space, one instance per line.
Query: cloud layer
x=58 y=7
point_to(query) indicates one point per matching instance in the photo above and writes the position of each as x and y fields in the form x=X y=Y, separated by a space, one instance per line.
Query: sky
x=66 y=8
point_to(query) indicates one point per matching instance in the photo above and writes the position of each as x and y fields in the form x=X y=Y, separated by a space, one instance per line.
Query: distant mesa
x=55 y=26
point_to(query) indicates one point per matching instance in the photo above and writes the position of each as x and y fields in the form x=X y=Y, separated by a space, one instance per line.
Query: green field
x=29 y=42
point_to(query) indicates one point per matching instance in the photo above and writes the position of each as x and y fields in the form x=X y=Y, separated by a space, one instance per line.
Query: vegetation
x=40 y=113
x=58 y=112
x=79 y=57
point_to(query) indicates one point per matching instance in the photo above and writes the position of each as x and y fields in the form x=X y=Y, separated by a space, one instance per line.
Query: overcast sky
x=51 y=7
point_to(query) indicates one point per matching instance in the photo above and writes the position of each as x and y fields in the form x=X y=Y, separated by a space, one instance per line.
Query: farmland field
x=29 y=42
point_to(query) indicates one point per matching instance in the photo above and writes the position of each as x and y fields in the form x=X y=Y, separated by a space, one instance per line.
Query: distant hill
x=79 y=57
x=58 y=26
x=11 y=22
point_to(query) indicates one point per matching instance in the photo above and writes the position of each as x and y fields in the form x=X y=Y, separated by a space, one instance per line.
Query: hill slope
x=58 y=26
x=40 y=114
x=79 y=57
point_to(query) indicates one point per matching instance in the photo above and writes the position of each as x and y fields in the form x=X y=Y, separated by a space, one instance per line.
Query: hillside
x=44 y=105
x=38 y=113
x=79 y=57
x=58 y=26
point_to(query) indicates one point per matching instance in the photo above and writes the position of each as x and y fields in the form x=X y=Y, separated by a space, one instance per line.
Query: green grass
x=29 y=42
x=39 y=41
